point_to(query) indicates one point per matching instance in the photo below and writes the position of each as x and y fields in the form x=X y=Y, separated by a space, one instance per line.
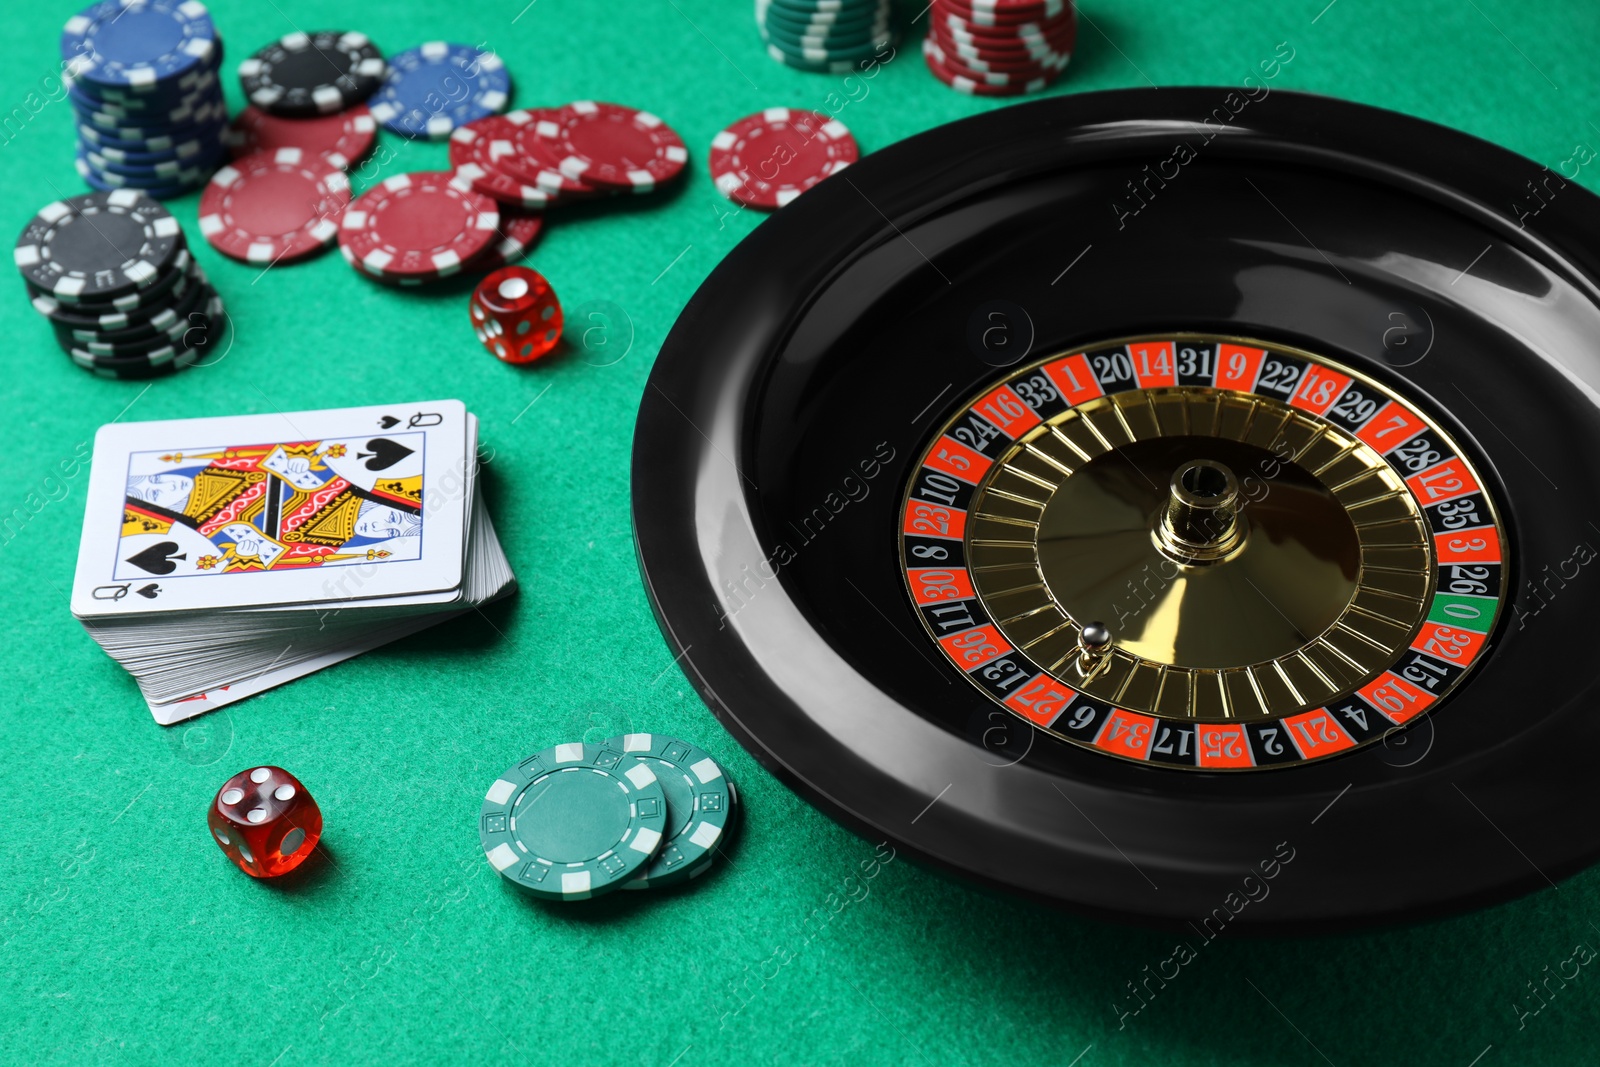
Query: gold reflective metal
x=1249 y=559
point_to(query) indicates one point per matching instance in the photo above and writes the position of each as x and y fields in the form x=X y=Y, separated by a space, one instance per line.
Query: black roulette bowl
x=794 y=399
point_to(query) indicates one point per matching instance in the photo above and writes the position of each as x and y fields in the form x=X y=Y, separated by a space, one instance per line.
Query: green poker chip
x=700 y=806
x=574 y=821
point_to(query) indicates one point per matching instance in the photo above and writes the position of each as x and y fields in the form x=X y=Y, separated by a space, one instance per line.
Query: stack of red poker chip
x=1000 y=47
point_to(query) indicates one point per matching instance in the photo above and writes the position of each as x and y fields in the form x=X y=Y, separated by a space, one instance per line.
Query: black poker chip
x=125 y=312
x=304 y=75
x=168 y=324
x=98 y=246
x=187 y=347
x=1035 y=350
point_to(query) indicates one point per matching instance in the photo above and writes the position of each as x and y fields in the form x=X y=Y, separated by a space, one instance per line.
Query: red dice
x=516 y=315
x=265 y=821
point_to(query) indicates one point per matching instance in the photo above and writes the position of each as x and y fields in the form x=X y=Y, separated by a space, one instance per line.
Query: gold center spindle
x=1202 y=521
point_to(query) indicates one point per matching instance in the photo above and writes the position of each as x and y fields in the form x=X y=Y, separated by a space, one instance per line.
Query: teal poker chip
x=825 y=56
x=823 y=10
x=842 y=42
x=573 y=821
x=818 y=22
x=700 y=806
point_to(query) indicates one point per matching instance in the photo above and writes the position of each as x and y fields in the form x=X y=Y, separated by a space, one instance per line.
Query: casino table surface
x=126 y=937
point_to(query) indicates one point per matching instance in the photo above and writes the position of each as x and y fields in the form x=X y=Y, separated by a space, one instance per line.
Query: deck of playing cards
x=223 y=556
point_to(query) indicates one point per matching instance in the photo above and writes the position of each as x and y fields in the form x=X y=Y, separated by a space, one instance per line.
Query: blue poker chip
x=197 y=80
x=432 y=90
x=103 y=141
x=212 y=112
x=138 y=44
x=174 y=112
x=191 y=152
x=159 y=187
x=157 y=171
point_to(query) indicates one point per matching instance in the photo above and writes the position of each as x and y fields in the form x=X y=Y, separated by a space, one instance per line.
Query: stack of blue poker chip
x=824 y=36
x=143 y=82
x=434 y=89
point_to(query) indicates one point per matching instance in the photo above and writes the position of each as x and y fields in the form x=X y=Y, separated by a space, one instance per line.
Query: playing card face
x=348 y=504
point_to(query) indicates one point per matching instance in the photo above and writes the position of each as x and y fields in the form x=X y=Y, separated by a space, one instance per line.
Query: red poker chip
x=1009 y=14
x=418 y=227
x=538 y=160
x=519 y=231
x=343 y=139
x=275 y=206
x=814 y=146
x=614 y=147
x=973 y=86
x=485 y=153
x=996 y=72
x=1027 y=35
x=1004 y=63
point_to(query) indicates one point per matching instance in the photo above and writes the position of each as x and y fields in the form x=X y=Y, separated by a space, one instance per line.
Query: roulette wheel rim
x=1457 y=810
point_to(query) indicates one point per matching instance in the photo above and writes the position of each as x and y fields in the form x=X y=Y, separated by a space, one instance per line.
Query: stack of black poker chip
x=112 y=273
x=146 y=95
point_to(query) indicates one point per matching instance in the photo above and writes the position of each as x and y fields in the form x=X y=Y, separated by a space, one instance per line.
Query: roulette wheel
x=1159 y=510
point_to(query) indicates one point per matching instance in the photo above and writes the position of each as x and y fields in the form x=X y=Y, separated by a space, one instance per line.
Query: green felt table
x=126 y=937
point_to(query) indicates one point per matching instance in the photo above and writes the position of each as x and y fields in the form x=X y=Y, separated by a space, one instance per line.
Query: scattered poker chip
x=519 y=231
x=274 y=207
x=537 y=155
x=98 y=246
x=438 y=87
x=138 y=45
x=341 y=139
x=486 y=153
x=614 y=146
x=574 y=821
x=700 y=806
x=418 y=227
x=303 y=75
x=813 y=145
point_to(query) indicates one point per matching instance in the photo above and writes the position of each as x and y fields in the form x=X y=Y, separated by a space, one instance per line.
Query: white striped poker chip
x=138 y=44
x=613 y=146
x=486 y=154
x=98 y=247
x=1006 y=13
x=275 y=206
x=574 y=821
x=306 y=74
x=767 y=159
x=418 y=227
x=700 y=806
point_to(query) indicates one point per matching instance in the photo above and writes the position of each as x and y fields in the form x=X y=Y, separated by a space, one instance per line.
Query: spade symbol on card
x=158 y=558
x=388 y=422
x=381 y=454
x=149 y=592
